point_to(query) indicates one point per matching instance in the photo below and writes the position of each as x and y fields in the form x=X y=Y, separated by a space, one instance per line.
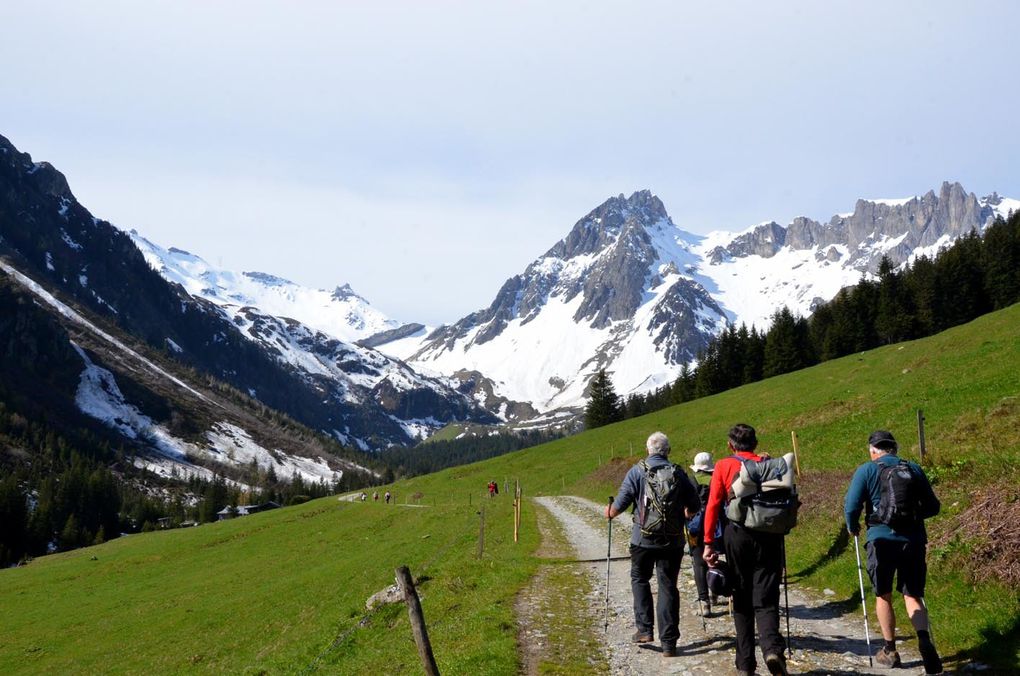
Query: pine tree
x=787 y=344
x=603 y=405
x=894 y=318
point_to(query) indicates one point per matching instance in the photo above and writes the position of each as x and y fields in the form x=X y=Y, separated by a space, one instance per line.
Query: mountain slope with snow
x=341 y=313
x=313 y=331
x=616 y=293
x=629 y=291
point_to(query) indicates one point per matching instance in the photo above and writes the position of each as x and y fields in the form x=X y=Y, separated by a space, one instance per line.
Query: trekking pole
x=927 y=614
x=786 y=592
x=690 y=553
x=609 y=554
x=864 y=607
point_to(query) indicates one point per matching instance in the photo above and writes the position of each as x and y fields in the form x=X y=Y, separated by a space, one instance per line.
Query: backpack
x=695 y=527
x=661 y=515
x=899 y=502
x=763 y=496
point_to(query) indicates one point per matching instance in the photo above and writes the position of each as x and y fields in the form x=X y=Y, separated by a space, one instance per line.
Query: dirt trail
x=825 y=640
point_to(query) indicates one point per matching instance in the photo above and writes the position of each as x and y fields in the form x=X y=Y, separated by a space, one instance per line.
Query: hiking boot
x=930 y=656
x=669 y=651
x=776 y=665
x=642 y=637
x=887 y=658
x=704 y=608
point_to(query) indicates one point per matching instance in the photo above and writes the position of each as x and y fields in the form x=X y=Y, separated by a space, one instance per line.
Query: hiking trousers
x=700 y=569
x=666 y=563
x=756 y=562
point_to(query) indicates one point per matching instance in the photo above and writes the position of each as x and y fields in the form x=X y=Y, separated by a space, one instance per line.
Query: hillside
x=284 y=591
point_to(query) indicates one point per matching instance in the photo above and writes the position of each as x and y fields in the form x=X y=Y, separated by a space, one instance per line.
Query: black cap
x=883 y=440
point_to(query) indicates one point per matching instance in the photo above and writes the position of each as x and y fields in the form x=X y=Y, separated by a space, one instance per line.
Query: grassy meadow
x=285 y=591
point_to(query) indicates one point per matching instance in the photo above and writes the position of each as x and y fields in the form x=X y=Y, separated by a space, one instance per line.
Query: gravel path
x=824 y=640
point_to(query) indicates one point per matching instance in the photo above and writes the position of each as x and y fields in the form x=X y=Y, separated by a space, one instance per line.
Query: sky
x=424 y=152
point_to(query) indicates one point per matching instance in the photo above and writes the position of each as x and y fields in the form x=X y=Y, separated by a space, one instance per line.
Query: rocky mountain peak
x=603 y=225
x=345 y=292
x=46 y=177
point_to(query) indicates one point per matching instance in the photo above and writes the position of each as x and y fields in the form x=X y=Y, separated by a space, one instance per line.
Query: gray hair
x=658 y=444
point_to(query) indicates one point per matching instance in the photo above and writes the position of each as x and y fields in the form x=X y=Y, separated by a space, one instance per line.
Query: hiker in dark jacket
x=755 y=560
x=894 y=551
x=702 y=469
x=660 y=545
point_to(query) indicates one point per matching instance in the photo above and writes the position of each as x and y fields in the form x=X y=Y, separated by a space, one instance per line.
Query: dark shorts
x=904 y=560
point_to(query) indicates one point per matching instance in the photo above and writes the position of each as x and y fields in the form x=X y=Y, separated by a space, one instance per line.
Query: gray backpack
x=661 y=516
x=763 y=496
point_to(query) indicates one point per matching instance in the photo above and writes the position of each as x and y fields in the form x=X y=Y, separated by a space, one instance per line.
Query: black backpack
x=661 y=515
x=898 y=506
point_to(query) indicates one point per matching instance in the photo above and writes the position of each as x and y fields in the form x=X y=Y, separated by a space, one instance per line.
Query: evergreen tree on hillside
x=894 y=318
x=960 y=284
x=683 y=388
x=920 y=282
x=787 y=344
x=1001 y=262
x=603 y=405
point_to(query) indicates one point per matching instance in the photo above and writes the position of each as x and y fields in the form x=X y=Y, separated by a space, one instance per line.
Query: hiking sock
x=890 y=646
x=922 y=636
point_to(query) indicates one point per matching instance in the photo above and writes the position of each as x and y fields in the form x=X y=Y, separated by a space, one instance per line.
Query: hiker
x=492 y=488
x=896 y=498
x=754 y=557
x=702 y=470
x=375 y=496
x=387 y=497
x=363 y=496
x=662 y=495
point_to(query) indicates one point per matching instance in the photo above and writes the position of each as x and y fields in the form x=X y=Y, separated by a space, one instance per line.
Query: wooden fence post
x=481 y=533
x=796 y=457
x=421 y=635
x=920 y=432
x=517 y=511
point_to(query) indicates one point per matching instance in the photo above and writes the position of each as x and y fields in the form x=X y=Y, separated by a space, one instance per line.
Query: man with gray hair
x=662 y=495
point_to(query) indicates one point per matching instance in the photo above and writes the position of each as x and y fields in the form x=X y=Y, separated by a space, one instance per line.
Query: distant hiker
x=755 y=558
x=702 y=469
x=387 y=497
x=663 y=495
x=363 y=496
x=375 y=496
x=896 y=497
x=492 y=488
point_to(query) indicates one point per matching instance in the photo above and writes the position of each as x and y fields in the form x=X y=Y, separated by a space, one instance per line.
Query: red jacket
x=726 y=470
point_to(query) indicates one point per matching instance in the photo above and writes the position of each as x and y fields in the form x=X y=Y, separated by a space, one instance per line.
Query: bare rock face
x=920 y=222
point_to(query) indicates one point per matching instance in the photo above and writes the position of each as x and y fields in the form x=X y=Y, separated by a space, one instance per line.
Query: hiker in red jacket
x=755 y=560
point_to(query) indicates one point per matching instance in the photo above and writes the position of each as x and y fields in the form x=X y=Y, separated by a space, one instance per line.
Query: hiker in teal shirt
x=896 y=550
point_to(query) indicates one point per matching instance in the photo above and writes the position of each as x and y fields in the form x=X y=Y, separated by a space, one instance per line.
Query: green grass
x=281 y=591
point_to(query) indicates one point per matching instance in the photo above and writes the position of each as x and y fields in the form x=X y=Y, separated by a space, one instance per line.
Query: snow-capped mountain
x=341 y=313
x=629 y=291
x=807 y=262
x=619 y=292
x=314 y=331
x=85 y=328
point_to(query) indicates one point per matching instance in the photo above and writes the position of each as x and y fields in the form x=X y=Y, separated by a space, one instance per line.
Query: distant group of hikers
x=375 y=496
x=741 y=508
